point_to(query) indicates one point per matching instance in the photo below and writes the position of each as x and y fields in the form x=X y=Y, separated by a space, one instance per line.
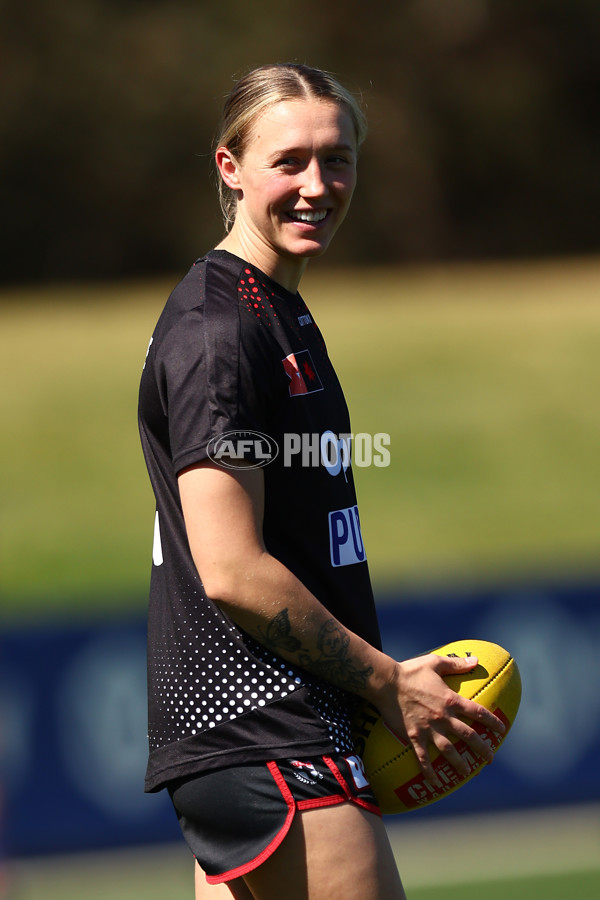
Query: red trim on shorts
x=332 y=799
x=371 y=807
x=292 y=805
x=274 y=844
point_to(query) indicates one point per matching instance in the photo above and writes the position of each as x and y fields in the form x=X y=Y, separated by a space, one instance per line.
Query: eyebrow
x=287 y=151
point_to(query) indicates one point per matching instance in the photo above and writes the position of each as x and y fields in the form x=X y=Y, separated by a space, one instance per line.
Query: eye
x=338 y=160
x=288 y=162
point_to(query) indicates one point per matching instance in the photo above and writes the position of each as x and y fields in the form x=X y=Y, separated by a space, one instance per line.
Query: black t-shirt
x=234 y=354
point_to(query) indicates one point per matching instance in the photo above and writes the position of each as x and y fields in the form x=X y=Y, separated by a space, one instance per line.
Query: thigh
x=231 y=890
x=335 y=853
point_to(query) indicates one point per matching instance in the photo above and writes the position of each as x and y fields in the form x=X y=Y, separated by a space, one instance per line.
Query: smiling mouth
x=310 y=216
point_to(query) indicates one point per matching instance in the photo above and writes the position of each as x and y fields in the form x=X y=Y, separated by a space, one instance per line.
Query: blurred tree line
x=484 y=138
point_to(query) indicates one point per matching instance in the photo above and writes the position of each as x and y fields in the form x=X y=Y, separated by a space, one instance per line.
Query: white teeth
x=308 y=215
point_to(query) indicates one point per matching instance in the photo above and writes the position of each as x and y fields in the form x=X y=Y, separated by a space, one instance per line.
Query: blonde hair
x=264 y=87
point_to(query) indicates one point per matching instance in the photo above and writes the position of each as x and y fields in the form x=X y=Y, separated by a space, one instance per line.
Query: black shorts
x=235 y=818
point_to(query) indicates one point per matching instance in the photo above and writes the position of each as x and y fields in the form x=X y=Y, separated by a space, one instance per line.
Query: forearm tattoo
x=330 y=660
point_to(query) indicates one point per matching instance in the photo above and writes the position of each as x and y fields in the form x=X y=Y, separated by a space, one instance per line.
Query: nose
x=313 y=181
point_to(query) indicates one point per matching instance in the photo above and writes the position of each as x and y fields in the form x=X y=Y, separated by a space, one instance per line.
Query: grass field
x=549 y=855
x=486 y=378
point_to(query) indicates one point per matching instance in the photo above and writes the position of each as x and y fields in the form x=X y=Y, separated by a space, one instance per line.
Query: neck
x=286 y=272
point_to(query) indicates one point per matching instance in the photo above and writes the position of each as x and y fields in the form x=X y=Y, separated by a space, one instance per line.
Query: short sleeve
x=216 y=375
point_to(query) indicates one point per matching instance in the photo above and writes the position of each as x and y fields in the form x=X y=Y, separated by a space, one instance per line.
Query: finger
x=448 y=750
x=422 y=753
x=477 y=743
x=477 y=713
x=481 y=747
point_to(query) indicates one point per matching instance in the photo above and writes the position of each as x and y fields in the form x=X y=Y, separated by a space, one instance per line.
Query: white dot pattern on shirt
x=207 y=672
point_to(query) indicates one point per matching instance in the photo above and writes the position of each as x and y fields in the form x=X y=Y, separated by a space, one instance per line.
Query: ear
x=228 y=167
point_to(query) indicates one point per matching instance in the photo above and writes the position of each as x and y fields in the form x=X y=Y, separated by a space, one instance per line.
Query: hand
x=424 y=710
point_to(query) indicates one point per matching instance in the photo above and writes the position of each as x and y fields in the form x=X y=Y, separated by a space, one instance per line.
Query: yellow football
x=390 y=762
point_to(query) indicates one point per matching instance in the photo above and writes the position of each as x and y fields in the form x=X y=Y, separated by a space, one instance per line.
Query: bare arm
x=223 y=511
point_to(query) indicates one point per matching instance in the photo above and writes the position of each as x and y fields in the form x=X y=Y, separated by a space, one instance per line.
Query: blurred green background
x=484 y=376
x=460 y=302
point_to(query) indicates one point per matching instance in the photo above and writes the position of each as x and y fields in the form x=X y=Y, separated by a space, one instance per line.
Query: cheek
x=345 y=187
x=268 y=193
x=351 y=183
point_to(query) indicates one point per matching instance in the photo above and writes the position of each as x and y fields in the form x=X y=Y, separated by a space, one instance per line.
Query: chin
x=310 y=249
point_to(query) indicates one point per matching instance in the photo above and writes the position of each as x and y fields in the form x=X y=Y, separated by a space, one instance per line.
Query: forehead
x=302 y=123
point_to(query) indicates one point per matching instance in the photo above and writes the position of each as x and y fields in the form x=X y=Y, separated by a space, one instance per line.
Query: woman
x=262 y=627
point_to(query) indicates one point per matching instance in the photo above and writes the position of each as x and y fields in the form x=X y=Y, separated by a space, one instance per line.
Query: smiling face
x=294 y=184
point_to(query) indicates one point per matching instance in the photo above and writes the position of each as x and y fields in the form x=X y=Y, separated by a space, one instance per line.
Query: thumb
x=451 y=664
